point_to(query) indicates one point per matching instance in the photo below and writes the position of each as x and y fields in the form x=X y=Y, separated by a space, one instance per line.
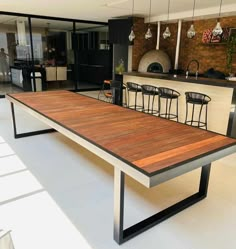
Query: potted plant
x=120 y=68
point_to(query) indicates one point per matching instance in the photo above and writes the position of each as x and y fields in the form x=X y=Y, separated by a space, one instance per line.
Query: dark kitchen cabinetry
x=94 y=66
x=92 y=73
x=88 y=40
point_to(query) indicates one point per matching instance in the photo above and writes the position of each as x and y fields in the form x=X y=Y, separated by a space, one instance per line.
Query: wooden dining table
x=148 y=148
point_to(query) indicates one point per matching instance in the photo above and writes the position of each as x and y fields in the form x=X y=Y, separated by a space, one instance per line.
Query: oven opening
x=155 y=67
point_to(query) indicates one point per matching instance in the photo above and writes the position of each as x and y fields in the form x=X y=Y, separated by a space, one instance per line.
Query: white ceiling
x=102 y=10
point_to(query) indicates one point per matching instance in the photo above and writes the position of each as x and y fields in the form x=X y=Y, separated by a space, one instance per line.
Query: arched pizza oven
x=155 y=67
x=155 y=61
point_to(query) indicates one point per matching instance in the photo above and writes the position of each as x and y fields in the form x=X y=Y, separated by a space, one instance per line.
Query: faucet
x=187 y=71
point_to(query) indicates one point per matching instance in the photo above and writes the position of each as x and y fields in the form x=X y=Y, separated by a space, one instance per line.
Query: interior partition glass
x=11 y=79
x=55 y=58
x=52 y=54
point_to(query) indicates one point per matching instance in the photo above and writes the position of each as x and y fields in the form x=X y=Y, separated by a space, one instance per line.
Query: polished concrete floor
x=7 y=87
x=55 y=194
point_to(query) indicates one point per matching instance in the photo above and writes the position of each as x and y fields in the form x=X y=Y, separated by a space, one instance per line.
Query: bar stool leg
x=159 y=106
x=166 y=108
x=153 y=98
x=199 y=118
x=177 y=110
x=169 y=108
x=206 y=116
x=128 y=99
x=135 y=100
x=143 y=101
x=192 y=114
x=186 y=116
x=148 y=103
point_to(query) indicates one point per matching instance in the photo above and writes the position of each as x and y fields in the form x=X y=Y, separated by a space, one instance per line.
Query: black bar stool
x=200 y=100
x=168 y=95
x=149 y=93
x=134 y=88
x=105 y=93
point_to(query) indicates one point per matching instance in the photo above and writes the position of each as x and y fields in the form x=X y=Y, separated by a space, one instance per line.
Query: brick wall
x=141 y=45
x=209 y=56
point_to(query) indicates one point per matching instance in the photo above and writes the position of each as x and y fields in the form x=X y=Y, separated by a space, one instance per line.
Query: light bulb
x=148 y=34
x=167 y=33
x=217 y=30
x=131 y=35
x=191 y=32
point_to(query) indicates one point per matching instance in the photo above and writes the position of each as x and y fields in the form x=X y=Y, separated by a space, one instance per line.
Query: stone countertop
x=182 y=78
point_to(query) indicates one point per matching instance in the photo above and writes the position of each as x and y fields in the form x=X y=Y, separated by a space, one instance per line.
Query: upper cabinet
x=119 y=30
x=93 y=40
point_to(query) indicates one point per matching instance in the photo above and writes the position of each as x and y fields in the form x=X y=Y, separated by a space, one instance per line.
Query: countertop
x=182 y=78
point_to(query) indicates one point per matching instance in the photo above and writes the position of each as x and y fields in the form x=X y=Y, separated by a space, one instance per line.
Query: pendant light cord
x=150 y=11
x=132 y=15
x=133 y=9
x=194 y=1
x=220 y=7
x=168 y=10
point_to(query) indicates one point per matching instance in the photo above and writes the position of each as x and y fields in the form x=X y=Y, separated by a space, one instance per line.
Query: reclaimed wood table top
x=148 y=143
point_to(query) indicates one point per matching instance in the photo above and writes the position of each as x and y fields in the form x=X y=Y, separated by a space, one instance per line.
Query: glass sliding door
x=52 y=53
x=40 y=54
x=10 y=77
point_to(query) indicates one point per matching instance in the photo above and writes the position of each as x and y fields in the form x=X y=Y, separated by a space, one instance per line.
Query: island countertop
x=182 y=78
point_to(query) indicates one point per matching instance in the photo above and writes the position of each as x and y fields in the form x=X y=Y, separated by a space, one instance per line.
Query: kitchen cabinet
x=17 y=77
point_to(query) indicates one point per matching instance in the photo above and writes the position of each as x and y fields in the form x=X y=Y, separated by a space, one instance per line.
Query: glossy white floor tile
x=54 y=194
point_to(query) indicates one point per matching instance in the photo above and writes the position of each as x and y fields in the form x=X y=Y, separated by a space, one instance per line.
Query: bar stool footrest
x=133 y=107
x=196 y=123
x=168 y=116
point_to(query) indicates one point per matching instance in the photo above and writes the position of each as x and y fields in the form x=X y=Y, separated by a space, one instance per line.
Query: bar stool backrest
x=197 y=98
x=131 y=86
x=168 y=92
x=150 y=90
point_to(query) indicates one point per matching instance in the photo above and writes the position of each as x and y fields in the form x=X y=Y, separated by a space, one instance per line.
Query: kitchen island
x=21 y=76
x=221 y=109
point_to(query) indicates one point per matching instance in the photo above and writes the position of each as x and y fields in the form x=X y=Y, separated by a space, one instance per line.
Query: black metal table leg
x=121 y=235
x=26 y=134
x=119 y=182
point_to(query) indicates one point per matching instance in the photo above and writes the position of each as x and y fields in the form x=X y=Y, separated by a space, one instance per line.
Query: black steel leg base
x=27 y=134
x=33 y=133
x=121 y=235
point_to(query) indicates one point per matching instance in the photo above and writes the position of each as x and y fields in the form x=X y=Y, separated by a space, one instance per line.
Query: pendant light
x=132 y=35
x=167 y=33
x=191 y=32
x=148 y=34
x=218 y=30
